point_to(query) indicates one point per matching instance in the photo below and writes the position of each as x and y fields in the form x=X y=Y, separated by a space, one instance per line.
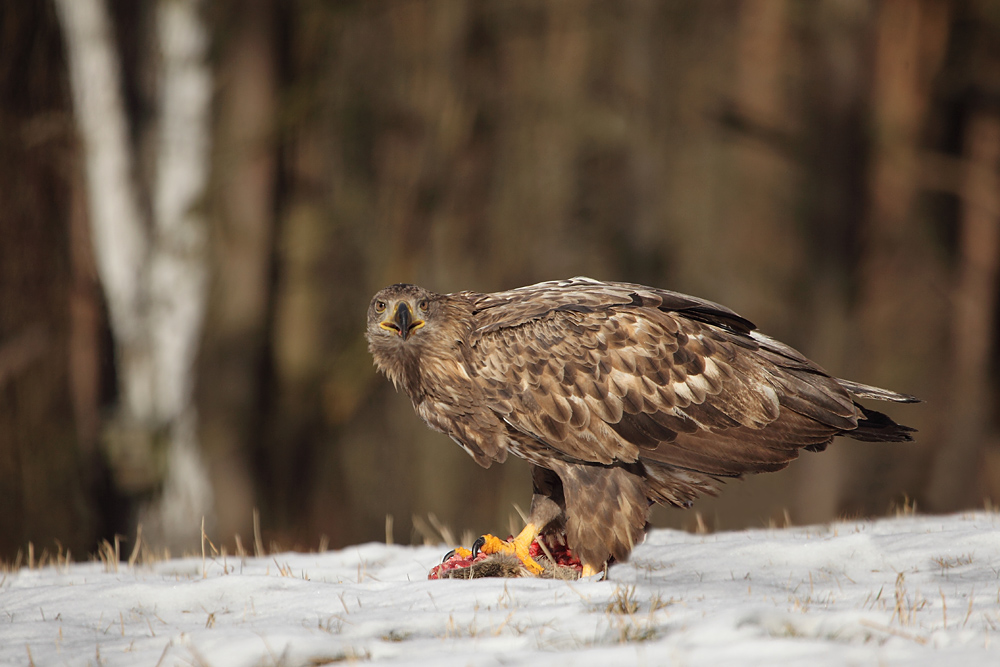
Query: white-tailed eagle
x=619 y=395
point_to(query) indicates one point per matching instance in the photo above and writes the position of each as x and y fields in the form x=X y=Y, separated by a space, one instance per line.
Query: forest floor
x=910 y=590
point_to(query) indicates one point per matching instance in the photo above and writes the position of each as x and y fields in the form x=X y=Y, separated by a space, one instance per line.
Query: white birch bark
x=178 y=277
x=119 y=230
x=154 y=273
x=178 y=266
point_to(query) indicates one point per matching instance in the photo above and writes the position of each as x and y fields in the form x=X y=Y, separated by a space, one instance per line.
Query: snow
x=913 y=590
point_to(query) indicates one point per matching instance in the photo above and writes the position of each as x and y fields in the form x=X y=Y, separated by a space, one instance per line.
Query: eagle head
x=400 y=318
x=397 y=312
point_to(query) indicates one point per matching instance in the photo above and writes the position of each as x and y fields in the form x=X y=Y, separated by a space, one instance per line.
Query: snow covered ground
x=912 y=590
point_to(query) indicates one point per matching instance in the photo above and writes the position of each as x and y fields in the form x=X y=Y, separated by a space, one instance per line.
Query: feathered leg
x=597 y=529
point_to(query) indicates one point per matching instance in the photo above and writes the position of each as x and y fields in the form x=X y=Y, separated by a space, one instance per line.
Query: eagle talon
x=457 y=552
x=478 y=545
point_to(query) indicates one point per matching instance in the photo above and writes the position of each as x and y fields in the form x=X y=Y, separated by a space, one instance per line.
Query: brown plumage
x=619 y=395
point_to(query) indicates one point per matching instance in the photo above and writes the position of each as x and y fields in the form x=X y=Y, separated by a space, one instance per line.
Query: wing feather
x=517 y=306
x=605 y=372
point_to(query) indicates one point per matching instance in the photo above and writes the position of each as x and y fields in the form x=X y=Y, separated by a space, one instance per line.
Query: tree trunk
x=230 y=372
x=152 y=268
x=896 y=270
x=956 y=477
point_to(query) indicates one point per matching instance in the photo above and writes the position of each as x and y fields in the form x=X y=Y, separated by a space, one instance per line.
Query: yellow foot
x=588 y=571
x=490 y=544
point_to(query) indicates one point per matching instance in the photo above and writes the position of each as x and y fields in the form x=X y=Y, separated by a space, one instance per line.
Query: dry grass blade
x=432 y=532
x=258 y=544
x=134 y=556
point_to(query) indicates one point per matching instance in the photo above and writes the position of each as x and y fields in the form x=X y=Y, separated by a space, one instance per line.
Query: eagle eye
x=423 y=306
x=379 y=306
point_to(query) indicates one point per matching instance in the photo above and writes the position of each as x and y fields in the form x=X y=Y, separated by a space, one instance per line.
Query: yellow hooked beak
x=402 y=321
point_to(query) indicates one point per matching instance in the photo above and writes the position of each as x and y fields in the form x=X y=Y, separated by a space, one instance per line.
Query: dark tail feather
x=877 y=427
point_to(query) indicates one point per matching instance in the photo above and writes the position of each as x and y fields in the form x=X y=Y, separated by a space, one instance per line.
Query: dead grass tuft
x=623 y=601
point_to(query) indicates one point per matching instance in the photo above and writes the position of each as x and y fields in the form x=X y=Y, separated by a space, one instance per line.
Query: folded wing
x=612 y=372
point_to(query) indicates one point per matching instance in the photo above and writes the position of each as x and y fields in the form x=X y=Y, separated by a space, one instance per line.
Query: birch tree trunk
x=120 y=236
x=152 y=267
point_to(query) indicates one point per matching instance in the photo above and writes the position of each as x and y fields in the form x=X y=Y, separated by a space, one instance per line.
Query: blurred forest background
x=197 y=202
